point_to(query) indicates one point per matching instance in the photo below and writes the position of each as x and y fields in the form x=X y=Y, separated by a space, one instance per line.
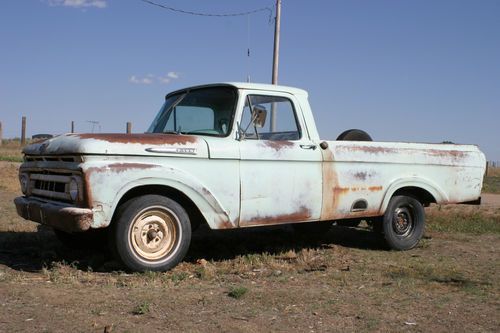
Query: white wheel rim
x=154 y=233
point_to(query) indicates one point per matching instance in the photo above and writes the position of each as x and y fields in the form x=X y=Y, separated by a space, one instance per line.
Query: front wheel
x=403 y=223
x=152 y=233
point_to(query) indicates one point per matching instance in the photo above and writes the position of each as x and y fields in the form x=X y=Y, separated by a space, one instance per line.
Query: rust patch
x=225 y=224
x=277 y=145
x=88 y=191
x=114 y=167
x=148 y=138
x=375 y=188
x=303 y=214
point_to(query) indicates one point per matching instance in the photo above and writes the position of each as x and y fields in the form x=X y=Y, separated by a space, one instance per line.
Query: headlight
x=73 y=189
x=24 y=179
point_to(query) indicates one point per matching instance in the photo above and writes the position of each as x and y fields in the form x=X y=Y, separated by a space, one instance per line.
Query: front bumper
x=63 y=217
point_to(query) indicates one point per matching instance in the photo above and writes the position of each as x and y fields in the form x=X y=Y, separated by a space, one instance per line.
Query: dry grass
x=10 y=150
x=464 y=219
x=492 y=181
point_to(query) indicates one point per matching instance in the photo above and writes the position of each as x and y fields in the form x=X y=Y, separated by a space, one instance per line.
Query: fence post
x=129 y=127
x=23 y=131
x=72 y=126
x=1 y=133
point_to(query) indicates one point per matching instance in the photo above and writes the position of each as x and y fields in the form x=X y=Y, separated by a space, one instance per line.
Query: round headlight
x=24 y=179
x=73 y=189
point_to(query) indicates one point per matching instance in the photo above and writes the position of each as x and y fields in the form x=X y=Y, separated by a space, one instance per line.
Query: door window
x=269 y=118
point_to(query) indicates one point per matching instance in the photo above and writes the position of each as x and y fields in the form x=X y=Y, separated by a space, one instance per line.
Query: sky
x=402 y=70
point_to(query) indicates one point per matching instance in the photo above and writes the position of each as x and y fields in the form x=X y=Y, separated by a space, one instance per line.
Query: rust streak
x=369 y=149
x=120 y=167
x=456 y=154
x=375 y=188
x=148 y=138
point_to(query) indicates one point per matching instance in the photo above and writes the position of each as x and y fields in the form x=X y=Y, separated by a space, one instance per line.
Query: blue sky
x=402 y=70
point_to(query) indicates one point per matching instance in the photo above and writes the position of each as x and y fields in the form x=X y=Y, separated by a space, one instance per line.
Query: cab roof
x=249 y=86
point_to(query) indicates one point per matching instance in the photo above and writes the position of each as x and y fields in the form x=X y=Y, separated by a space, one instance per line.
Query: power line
x=268 y=9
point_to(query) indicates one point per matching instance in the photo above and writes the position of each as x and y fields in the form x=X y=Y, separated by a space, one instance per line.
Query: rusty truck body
x=236 y=155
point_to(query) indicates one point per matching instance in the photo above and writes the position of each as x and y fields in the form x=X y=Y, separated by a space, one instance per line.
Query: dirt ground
x=261 y=280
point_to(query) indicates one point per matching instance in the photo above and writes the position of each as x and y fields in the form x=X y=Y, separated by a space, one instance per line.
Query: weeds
x=237 y=292
x=142 y=308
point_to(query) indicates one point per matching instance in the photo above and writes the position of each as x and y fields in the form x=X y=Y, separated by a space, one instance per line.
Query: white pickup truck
x=236 y=155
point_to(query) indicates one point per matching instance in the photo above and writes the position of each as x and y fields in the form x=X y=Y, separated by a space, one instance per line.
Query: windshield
x=207 y=111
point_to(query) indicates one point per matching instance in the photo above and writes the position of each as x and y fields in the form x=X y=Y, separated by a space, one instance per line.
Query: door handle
x=313 y=147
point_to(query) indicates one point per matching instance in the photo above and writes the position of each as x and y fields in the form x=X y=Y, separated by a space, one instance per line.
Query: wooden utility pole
x=23 y=131
x=276 y=55
x=72 y=126
x=129 y=127
x=1 y=133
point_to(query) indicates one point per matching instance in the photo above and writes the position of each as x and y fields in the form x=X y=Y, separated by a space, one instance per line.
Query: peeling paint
x=277 y=145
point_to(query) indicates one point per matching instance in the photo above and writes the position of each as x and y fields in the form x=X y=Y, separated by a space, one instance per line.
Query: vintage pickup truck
x=236 y=155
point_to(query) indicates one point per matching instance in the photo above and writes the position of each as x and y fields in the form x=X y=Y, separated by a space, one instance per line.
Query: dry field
x=259 y=280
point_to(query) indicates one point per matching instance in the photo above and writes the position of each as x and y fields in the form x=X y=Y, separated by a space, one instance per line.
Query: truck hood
x=120 y=144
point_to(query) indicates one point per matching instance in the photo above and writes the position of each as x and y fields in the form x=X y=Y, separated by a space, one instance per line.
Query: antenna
x=94 y=124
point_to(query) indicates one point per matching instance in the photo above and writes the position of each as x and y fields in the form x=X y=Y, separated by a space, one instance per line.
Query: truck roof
x=251 y=86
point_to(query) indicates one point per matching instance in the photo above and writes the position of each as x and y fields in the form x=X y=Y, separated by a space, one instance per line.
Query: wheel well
x=418 y=193
x=195 y=216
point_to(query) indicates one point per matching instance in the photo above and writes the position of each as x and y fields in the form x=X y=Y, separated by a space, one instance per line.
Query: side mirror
x=259 y=114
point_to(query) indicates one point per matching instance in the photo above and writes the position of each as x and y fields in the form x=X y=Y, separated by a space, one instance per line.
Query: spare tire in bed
x=354 y=135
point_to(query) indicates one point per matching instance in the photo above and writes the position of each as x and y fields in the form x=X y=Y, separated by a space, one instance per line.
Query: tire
x=150 y=233
x=403 y=223
x=91 y=239
x=354 y=135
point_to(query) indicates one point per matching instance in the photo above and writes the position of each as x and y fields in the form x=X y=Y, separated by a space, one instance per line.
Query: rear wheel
x=151 y=232
x=403 y=223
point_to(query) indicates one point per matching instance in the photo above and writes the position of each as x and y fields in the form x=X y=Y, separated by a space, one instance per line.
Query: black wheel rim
x=402 y=221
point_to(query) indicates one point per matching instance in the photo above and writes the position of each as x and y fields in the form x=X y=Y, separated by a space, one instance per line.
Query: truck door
x=280 y=168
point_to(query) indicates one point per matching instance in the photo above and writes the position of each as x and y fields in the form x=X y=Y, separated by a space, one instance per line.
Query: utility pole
x=276 y=55
x=23 y=131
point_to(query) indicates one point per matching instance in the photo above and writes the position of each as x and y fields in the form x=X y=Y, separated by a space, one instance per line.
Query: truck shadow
x=228 y=244
x=35 y=251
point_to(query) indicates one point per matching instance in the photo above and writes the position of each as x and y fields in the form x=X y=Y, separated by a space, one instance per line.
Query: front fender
x=108 y=183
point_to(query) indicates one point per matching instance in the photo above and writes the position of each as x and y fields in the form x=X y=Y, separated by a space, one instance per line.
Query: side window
x=258 y=114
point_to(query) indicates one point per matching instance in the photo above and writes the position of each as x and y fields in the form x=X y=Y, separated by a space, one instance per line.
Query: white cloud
x=173 y=75
x=79 y=3
x=151 y=78
x=144 y=80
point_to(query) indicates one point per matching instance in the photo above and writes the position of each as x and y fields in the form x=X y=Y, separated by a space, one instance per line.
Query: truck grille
x=51 y=186
x=52 y=177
